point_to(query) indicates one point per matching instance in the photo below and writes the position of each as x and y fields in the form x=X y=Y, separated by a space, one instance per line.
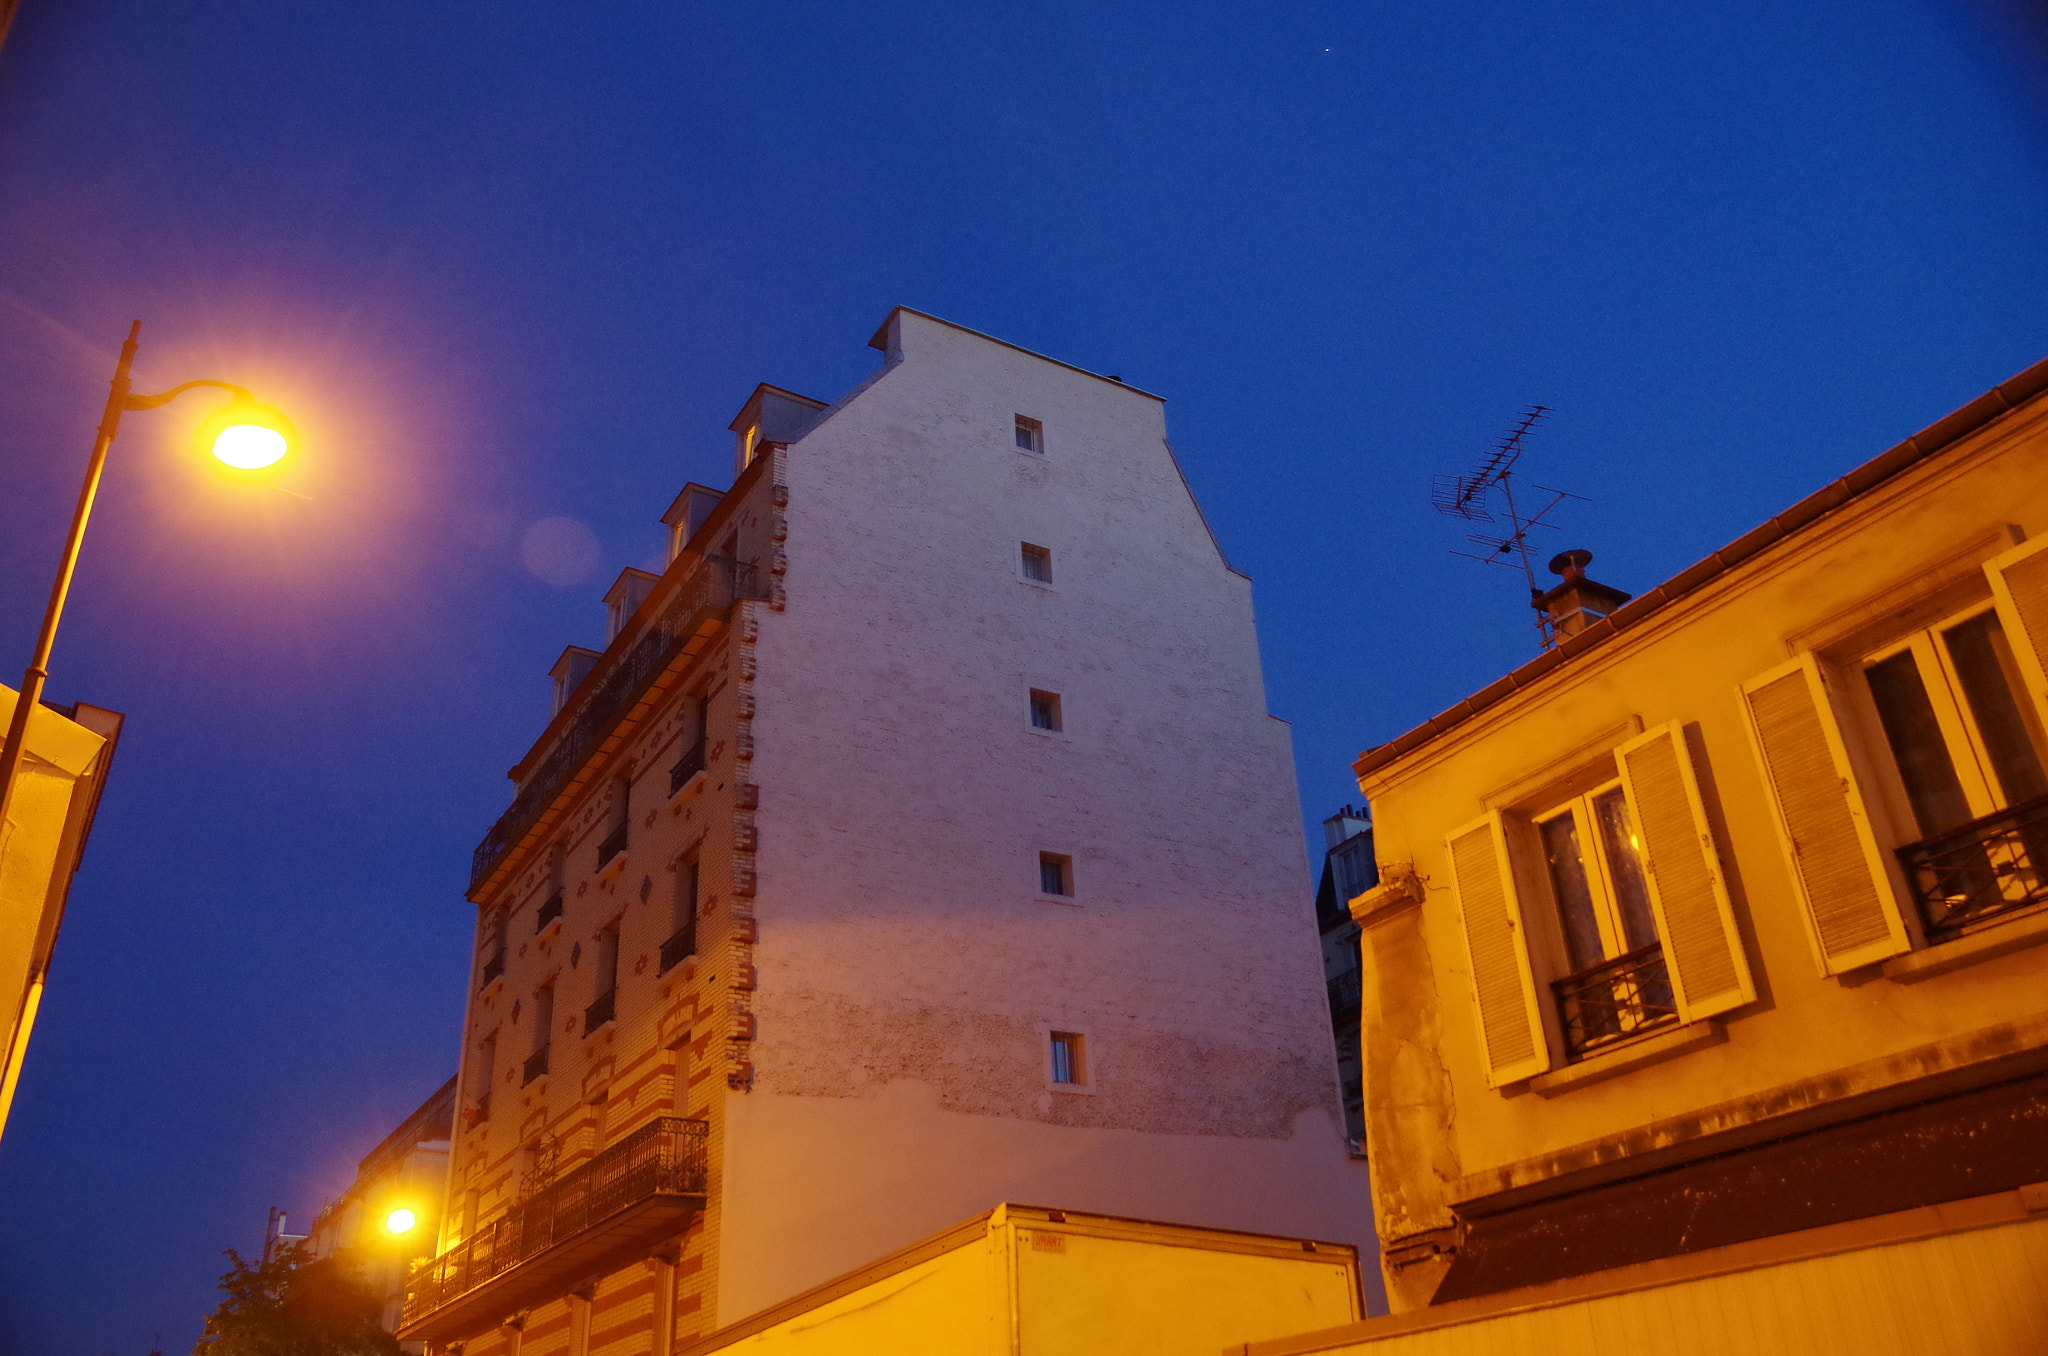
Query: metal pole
x=39 y=667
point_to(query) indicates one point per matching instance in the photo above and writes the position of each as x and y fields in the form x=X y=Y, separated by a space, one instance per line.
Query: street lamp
x=247 y=435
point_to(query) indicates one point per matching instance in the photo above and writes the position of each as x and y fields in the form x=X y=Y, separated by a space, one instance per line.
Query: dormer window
x=623 y=599
x=568 y=672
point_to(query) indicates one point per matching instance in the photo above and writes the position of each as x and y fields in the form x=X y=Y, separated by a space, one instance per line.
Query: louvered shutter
x=1702 y=945
x=1503 y=988
x=1852 y=911
x=2019 y=581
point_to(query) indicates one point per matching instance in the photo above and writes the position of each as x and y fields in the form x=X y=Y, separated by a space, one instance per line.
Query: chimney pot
x=1576 y=602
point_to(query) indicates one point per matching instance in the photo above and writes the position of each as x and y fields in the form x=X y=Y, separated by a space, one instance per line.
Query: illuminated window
x=1030 y=434
x=1617 y=983
x=1037 y=564
x=1055 y=874
x=1069 y=1051
x=1045 y=710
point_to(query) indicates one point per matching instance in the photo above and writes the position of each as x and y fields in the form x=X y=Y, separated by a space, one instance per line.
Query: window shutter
x=1851 y=911
x=2019 y=581
x=1503 y=988
x=1702 y=945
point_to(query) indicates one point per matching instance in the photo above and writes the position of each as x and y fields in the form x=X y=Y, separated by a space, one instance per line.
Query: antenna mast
x=1469 y=497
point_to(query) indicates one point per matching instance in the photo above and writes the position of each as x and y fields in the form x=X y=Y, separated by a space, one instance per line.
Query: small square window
x=1055 y=874
x=1069 y=1051
x=1030 y=434
x=1037 y=564
x=1045 y=710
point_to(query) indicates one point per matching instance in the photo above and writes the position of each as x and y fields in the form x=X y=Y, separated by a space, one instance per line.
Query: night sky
x=513 y=262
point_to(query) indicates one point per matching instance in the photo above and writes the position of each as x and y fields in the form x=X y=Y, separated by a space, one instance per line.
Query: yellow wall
x=1965 y=1294
x=1030 y=1284
x=1437 y=1132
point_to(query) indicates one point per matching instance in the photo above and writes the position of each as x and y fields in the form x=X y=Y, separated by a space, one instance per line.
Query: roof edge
x=2000 y=400
x=880 y=341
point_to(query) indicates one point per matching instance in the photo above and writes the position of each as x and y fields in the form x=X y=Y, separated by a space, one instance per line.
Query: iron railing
x=1979 y=871
x=1614 y=1000
x=536 y=1064
x=494 y=968
x=602 y=1011
x=713 y=586
x=665 y=1157
x=550 y=910
x=688 y=766
x=682 y=944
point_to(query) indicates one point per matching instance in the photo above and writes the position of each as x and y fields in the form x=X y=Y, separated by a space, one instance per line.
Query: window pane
x=1917 y=745
x=1574 y=897
x=1984 y=665
x=1625 y=864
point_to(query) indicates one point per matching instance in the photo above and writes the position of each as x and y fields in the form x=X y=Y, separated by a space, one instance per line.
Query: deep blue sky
x=513 y=261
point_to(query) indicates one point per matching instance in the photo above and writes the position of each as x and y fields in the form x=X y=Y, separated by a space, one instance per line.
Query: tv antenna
x=1487 y=495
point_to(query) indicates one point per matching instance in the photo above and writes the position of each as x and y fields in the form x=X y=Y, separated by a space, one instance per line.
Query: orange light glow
x=401 y=1221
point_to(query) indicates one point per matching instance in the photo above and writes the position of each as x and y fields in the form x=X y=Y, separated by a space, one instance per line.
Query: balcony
x=688 y=766
x=1980 y=871
x=609 y=1210
x=683 y=944
x=494 y=969
x=601 y=1011
x=1625 y=997
x=621 y=678
x=536 y=1066
x=550 y=910
x=614 y=843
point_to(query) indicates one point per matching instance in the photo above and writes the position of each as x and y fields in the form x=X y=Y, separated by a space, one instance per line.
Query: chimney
x=1576 y=602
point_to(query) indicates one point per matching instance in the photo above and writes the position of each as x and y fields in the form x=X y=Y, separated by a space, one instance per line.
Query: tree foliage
x=292 y=1305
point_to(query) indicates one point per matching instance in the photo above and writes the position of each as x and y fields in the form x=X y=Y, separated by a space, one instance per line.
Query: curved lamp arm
x=150 y=402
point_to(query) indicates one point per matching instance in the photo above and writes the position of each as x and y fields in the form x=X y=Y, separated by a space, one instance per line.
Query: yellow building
x=56 y=794
x=1703 y=981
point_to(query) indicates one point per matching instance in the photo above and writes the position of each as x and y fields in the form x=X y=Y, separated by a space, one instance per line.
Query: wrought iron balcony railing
x=1980 y=871
x=614 y=843
x=494 y=968
x=681 y=945
x=550 y=910
x=621 y=678
x=1613 y=1001
x=688 y=766
x=601 y=1011
x=536 y=1065
x=632 y=1194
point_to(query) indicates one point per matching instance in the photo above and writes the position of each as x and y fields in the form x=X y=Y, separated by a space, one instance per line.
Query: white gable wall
x=909 y=969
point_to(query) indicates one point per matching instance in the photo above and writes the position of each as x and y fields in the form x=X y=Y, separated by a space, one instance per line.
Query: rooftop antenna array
x=1487 y=495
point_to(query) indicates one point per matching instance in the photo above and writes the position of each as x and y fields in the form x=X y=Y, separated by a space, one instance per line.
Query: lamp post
x=248 y=436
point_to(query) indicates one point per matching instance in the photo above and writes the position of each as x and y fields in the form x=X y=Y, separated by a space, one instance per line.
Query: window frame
x=1064 y=862
x=1029 y=551
x=1055 y=714
x=1028 y=434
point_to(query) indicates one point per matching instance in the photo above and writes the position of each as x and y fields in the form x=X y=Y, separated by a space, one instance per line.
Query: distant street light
x=400 y=1221
x=247 y=435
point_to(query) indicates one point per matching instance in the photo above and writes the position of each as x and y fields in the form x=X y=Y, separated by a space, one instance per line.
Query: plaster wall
x=909 y=969
x=1898 y=557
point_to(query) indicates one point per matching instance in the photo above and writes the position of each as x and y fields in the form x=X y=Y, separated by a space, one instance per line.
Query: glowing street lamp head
x=401 y=1221
x=249 y=436
x=249 y=447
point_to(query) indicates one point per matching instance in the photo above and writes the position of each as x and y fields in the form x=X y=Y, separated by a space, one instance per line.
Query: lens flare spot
x=250 y=447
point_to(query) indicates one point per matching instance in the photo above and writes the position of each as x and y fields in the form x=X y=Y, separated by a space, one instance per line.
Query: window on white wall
x=1068 y=1051
x=1037 y=564
x=1045 y=710
x=1055 y=874
x=1030 y=434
